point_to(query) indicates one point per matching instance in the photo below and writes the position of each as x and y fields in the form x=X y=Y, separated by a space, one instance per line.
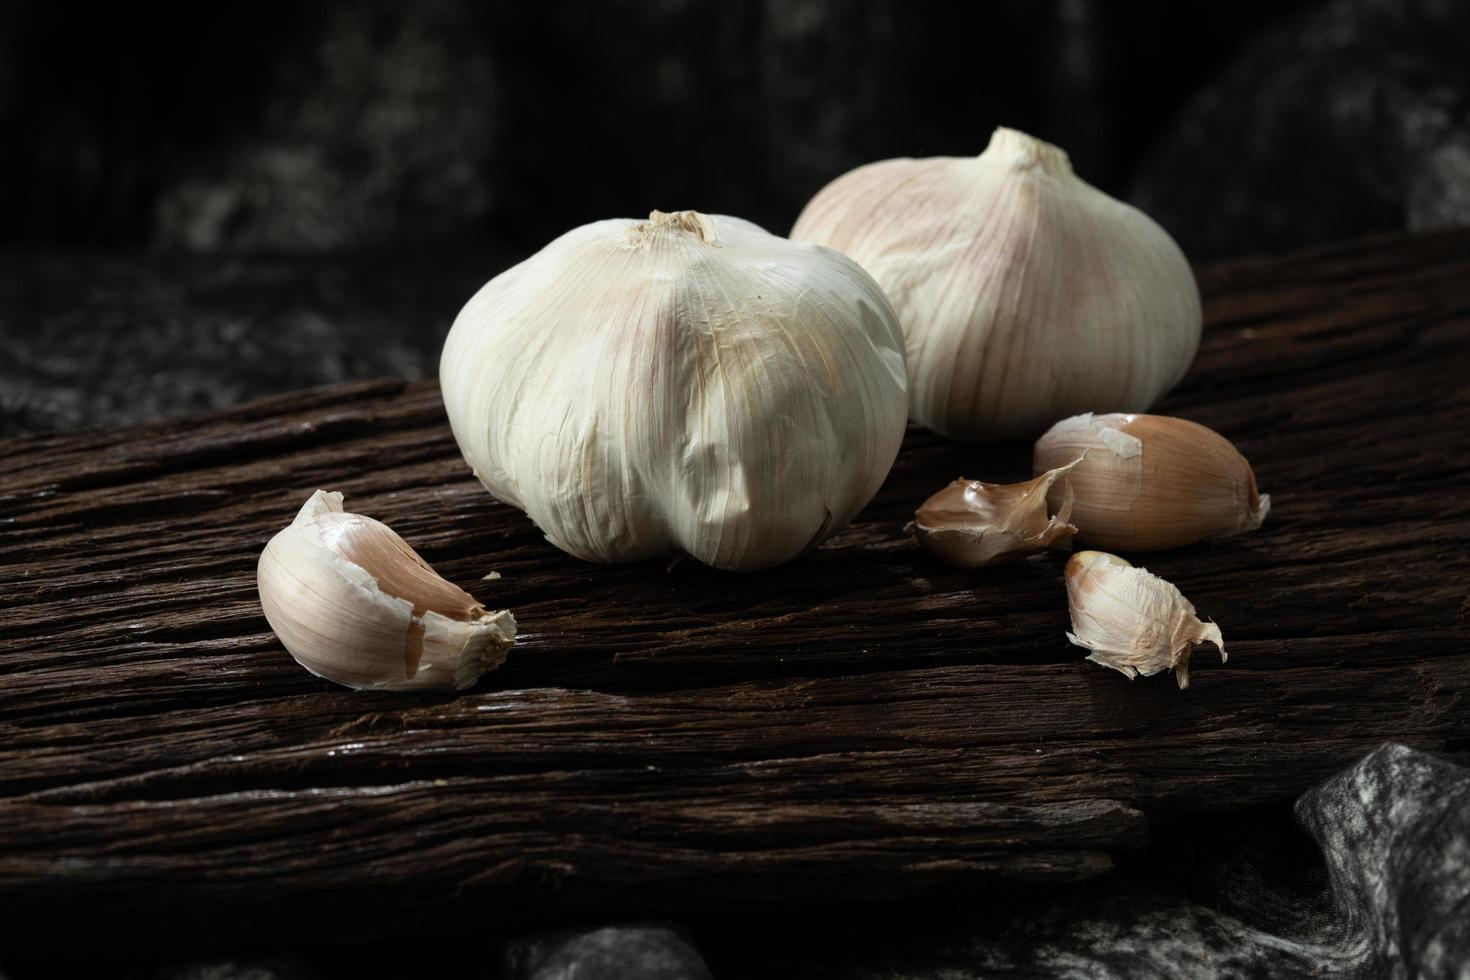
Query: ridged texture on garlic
x=1149 y=482
x=690 y=383
x=354 y=604
x=1025 y=294
x=971 y=524
x=1132 y=620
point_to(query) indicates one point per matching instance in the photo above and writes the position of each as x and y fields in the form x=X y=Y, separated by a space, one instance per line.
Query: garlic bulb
x=353 y=603
x=686 y=383
x=1132 y=620
x=970 y=524
x=1025 y=294
x=1149 y=482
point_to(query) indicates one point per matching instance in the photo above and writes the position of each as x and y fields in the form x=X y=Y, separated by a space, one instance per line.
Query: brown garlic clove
x=1132 y=620
x=1150 y=482
x=970 y=524
x=354 y=604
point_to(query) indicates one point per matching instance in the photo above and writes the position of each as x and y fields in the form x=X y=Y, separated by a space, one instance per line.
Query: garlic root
x=354 y=604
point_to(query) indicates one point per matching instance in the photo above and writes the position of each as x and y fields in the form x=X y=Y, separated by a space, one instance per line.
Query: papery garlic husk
x=1132 y=620
x=971 y=524
x=689 y=383
x=1025 y=294
x=354 y=604
x=1150 y=482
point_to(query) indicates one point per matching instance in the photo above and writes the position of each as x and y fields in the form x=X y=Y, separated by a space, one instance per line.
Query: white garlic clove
x=1150 y=482
x=686 y=383
x=1132 y=620
x=1025 y=294
x=971 y=524
x=354 y=604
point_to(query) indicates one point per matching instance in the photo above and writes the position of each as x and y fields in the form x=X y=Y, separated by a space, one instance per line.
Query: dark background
x=208 y=203
x=305 y=126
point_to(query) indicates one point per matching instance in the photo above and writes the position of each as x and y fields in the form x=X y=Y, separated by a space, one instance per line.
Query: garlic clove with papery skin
x=1132 y=620
x=354 y=604
x=1025 y=294
x=971 y=524
x=689 y=383
x=1150 y=482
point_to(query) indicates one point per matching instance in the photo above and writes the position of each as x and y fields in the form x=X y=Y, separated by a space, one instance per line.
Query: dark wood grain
x=860 y=723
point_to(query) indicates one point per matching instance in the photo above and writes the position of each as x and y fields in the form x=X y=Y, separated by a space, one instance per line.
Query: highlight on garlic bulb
x=1025 y=294
x=687 y=383
x=1132 y=620
x=354 y=604
x=1150 y=482
x=970 y=524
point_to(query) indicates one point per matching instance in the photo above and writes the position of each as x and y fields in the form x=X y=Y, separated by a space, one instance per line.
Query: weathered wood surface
x=861 y=723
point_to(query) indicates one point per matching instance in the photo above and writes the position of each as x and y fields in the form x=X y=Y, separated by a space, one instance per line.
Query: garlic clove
x=1025 y=294
x=971 y=524
x=354 y=604
x=687 y=383
x=1132 y=620
x=1150 y=482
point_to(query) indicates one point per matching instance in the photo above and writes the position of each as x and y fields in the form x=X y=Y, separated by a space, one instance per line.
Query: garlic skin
x=689 y=383
x=1025 y=294
x=970 y=524
x=1132 y=620
x=354 y=604
x=1150 y=482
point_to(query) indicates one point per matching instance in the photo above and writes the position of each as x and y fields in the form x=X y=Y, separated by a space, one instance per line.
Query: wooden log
x=861 y=723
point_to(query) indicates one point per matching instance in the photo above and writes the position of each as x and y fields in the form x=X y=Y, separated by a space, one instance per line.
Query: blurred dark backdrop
x=309 y=125
x=145 y=148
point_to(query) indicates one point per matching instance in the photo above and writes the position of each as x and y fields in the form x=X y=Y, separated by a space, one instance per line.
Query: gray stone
x=380 y=129
x=1348 y=120
x=1395 y=830
x=92 y=339
x=273 y=968
x=634 y=952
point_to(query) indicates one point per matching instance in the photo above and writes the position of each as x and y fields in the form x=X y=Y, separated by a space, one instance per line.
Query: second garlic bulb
x=1026 y=295
x=686 y=383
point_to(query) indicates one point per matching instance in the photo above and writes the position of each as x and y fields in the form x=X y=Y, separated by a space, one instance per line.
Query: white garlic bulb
x=972 y=524
x=1025 y=294
x=689 y=383
x=1149 y=482
x=353 y=603
x=1132 y=620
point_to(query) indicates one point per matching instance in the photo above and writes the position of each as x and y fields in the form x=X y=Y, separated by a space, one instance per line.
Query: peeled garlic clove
x=1150 y=482
x=970 y=524
x=686 y=383
x=1025 y=294
x=1132 y=620
x=353 y=603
